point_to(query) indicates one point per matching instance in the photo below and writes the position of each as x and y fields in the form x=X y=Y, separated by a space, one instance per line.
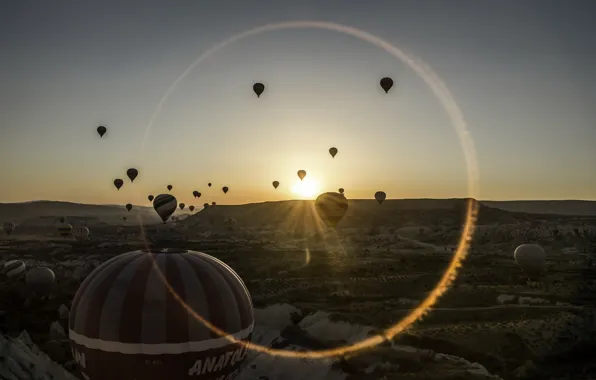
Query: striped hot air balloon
x=64 y=229
x=165 y=205
x=13 y=268
x=126 y=324
x=80 y=232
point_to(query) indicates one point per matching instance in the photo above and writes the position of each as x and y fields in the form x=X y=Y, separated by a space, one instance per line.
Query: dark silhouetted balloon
x=225 y=189
x=62 y=219
x=301 y=174
x=40 y=280
x=386 y=84
x=275 y=184
x=191 y=208
x=199 y=195
x=101 y=130
x=380 y=196
x=132 y=173
x=331 y=208
x=182 y=206
x=258 y=88
x=170 y=187
x=209 y=184
x=124 y=218
x=205 y=205
x=64 y=229
x=333 y=152
x=531 y=258
x=8 y=227
x=118 y=183
x=341 y=190
x=150 y=198
x=128 y=207
x=195 y=194
x=165 y=205
x=213 y=203
x=141 y=331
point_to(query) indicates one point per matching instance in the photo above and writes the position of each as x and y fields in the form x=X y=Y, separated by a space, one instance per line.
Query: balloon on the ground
x=118 y=183
x=380 y=196
x=181 y=205
x=333 y=151
x=531 y=258
x=40 y=279
x=301 y=174
x=170 y=187
x=331 y=208
x=386 y=84
x=8 y=227
x=258 y=88
x=101 y=130
x=128 y=207
x=275 y=184
x=13 y=268
x=225 y=189
x=150 y=198
x=132 y=173
x=124 y=314
x=80 y=232
x=165 y=205
x=64 y=229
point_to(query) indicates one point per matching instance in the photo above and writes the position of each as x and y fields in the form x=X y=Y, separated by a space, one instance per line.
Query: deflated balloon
x=101 y=130
x=341 y=190
x=150 y=198
x=380 y=196
x=386 y=84
x=258 y=88
x=8 y=227
x=331 y=208
x=181 y=205
x=333 y=152
x=275 y=184
x=165 y=205
x=64 y=229
x=191 y=208
x=128 y=207
x=118 y=183
x=146 y=333
x=301 y=174
x=170 y=187
x=132 y=173
x=531 y=258
x=225 y=189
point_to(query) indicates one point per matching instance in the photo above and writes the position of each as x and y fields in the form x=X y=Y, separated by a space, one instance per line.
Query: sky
x=521 y=72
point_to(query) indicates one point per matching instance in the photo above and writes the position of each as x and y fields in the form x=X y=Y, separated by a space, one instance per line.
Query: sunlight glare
x=307 y=189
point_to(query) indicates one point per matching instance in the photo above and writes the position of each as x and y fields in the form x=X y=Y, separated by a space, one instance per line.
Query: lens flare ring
x=455 y=114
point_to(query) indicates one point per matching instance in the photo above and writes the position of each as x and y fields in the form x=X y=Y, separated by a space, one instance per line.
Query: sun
x=308 y=188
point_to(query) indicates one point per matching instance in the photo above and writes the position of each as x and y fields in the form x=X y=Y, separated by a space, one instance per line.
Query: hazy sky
x=522 y=72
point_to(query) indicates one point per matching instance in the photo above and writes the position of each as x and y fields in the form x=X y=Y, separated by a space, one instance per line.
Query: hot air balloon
x=380 y=196
x=191 y=208
x=333 y=152
x=213 y=203
x=531 y=258
x=165 y=205
x=8 y=227
x=40 y=280
x=13 y=268
x=275 y=184
x=258 y=88
x=150 y=198
x=225 y=189
x=101 y=130
x=80 y=233
x=209 y=184
x=386 y=84
x=195 y=194
x=181 y=205
x=341 y=190
x=62 y=219
x=170 y=187
x=331 y=208
x=128 y=207
x=132 y=173
x=124 y=218
x=301 y=174
x=198 y=194
x=146 y=333
x=64 y=229
x=118 y=183
x=205 y=205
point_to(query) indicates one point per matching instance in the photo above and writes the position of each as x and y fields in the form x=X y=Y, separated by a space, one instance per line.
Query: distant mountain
x=37 y=211
x=569 y=207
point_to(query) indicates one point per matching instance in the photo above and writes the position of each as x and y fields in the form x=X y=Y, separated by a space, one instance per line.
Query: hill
x=567 y=207
x=37 y=212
